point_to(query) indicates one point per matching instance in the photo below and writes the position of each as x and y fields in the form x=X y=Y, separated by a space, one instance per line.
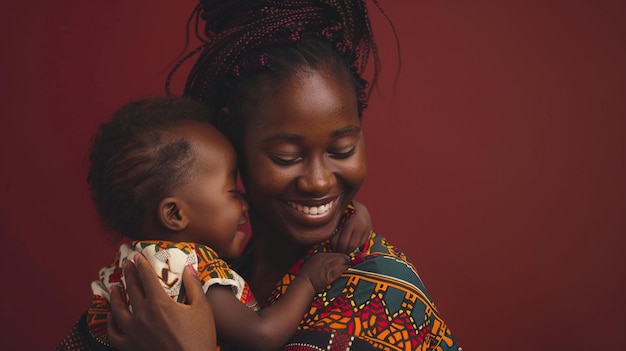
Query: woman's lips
x=313 y=210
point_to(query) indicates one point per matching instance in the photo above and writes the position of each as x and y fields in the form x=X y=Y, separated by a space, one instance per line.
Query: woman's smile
x=303 y=154
x=315 y=210
x=314 y=214
x=311 y=217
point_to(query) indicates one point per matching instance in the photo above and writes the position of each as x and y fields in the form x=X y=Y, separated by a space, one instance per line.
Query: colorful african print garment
x=378 y=303
x=168 y=259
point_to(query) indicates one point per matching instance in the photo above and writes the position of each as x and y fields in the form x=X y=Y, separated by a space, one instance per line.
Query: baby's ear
x=172 y=215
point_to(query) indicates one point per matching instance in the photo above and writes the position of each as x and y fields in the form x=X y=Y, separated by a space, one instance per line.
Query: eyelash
x=336 y=155
x=285 y=162
x=343 y=155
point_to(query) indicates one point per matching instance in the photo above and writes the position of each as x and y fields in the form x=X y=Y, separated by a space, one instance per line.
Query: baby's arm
x=356 y=231
x=271 y=328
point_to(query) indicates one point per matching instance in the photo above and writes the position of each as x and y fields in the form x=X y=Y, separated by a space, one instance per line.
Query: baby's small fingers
x=343 y=243
x=340 y=261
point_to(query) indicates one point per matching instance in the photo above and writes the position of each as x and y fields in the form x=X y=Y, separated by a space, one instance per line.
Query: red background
x=498 y=165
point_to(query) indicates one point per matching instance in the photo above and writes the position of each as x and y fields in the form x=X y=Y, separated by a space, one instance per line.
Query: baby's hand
x=323 y=268
x=356 y=231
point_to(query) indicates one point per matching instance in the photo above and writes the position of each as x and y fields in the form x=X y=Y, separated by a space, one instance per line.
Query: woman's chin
x=286 y=221
x=311 y=235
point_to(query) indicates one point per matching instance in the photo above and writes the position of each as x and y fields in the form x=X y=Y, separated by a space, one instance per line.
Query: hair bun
x=220 y=15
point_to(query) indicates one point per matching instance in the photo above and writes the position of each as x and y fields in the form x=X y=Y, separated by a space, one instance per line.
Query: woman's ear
x=172 y=215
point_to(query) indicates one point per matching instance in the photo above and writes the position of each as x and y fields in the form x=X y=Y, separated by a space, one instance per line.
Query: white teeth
x=314 y=210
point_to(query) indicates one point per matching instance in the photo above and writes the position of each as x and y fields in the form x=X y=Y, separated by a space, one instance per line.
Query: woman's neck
x=272 y=258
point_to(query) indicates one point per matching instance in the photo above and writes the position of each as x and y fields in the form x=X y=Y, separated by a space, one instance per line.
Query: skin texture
x=303 y=146
x=355 y=232
x=272 y=327
x=208 y=208
x=155 y=304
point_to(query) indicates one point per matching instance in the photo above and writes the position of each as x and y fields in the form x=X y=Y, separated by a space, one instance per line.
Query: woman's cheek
x=355 y=170
x=269 y=178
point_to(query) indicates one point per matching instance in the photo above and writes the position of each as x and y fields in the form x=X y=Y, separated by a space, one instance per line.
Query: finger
x=116 y=338
x=340 y=260
x=149 y=282
x=344 y=242
x=119 y=315
x=355 y=243
x=359 y=207
x=341 y=263
x=193 y=287
x=347 y=260
x=134 y=288
x=335 y=242
x=119 y=309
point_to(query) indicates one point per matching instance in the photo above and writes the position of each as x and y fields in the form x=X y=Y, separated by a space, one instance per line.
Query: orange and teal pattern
x=380 y=300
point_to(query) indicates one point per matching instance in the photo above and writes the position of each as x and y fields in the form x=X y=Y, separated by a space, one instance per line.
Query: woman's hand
x=356 y=231
x=157 y=321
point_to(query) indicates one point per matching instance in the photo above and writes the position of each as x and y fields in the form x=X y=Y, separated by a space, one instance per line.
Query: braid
x=193 y=16
x=136 y=158
x=242 y=38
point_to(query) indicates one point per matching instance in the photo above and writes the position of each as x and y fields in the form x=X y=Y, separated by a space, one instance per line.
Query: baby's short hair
x=136 y=158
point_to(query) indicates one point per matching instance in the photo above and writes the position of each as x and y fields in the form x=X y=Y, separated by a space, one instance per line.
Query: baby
x=164 y=180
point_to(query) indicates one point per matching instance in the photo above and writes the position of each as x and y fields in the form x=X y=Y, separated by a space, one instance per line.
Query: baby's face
x=214 y=204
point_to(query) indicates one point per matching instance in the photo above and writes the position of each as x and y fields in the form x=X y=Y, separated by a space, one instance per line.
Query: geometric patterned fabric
x=168 y=259
x=379 y=300
x=379 y=303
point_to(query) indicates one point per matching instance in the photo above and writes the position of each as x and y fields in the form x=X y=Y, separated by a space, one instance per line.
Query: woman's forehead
x=304 y=99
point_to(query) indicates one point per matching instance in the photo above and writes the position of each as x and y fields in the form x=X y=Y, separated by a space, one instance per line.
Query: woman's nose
x=317 y=178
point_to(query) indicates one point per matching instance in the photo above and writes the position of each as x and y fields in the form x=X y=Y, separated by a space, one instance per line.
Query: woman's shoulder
x=381 y=262
x=381 y=289
x=379 y=245
x=380 y=256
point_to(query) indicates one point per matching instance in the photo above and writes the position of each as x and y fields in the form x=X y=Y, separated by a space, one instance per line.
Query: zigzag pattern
x=374 y=306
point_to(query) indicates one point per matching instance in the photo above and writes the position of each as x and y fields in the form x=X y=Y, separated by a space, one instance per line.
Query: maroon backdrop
x=497 y=163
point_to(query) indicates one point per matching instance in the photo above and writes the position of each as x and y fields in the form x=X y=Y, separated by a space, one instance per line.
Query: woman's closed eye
x=342 y=154
x=285 y=159
x=290 y=159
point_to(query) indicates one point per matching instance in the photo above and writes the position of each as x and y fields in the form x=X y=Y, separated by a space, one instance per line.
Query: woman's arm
x=157 y=321
x=271 y=328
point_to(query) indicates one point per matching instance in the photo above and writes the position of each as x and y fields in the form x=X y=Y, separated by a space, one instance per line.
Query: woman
x=285 y=80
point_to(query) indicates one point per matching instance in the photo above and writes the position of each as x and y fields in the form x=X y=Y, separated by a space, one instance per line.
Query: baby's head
x=160 y=171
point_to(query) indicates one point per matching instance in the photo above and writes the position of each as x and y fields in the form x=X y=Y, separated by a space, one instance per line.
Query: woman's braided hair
x=245 y=38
